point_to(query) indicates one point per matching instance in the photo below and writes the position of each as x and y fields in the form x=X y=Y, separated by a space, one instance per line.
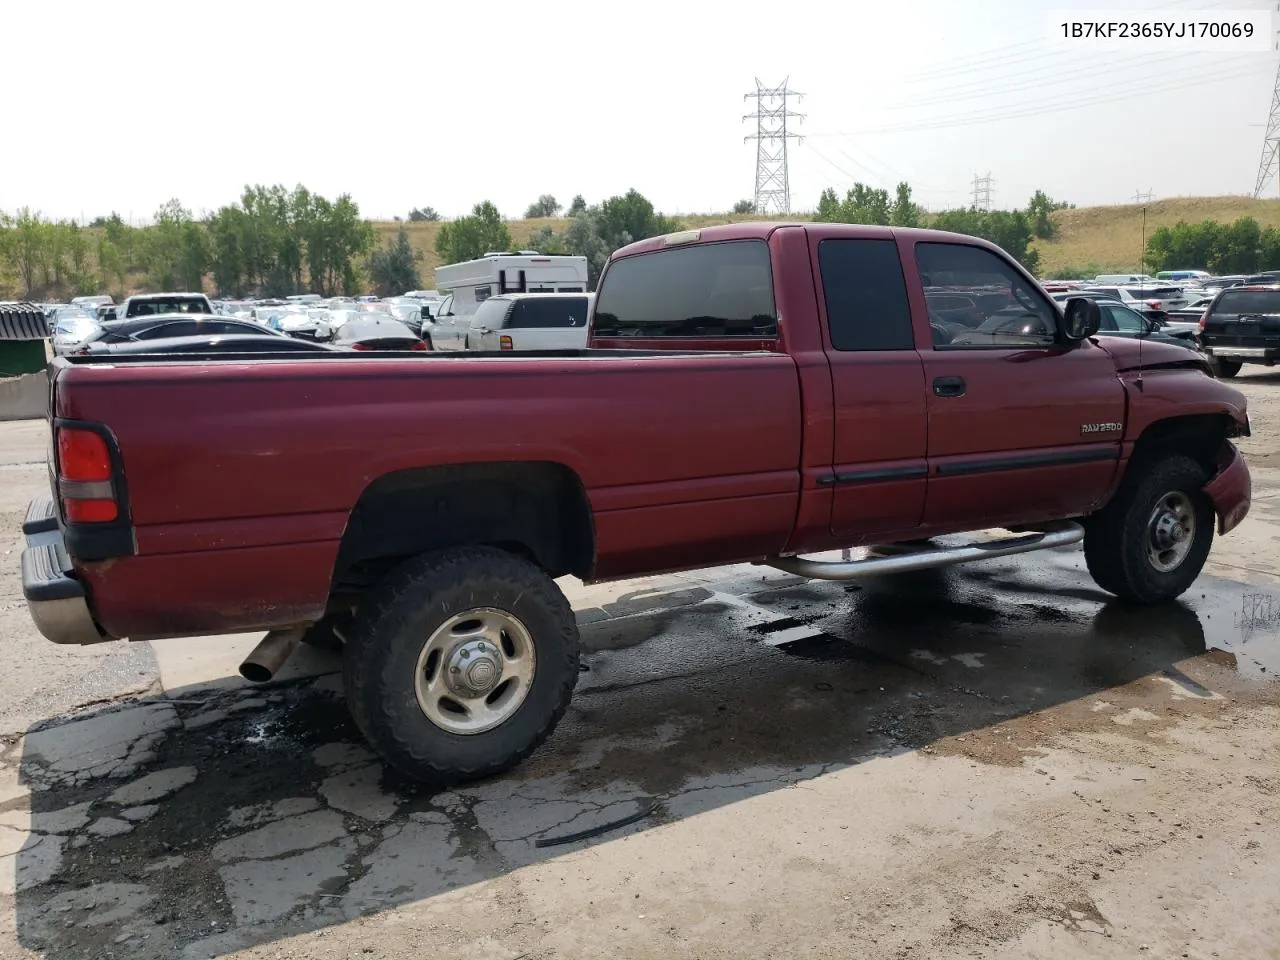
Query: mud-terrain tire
x=1224 y=369
x=415 y=673
x=1151 y=541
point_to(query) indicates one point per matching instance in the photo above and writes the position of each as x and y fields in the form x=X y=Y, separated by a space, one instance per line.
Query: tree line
x=1014 y=231
x=1221 y=248
x=271 y=242
x=594 y=231
x=274 y=241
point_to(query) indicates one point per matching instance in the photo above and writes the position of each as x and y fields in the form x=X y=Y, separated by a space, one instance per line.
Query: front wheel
x=461 y=664
x=1152 y=540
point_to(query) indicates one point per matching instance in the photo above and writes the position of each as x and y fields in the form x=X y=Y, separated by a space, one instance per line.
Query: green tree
x=473 y=236
x=1039 y=210
x=904 y=212
x=27 y=248
x=545 y=206
x=394 y=268
x=744 y=206
x=576 y=206
x=546 y=240
x=424 y=214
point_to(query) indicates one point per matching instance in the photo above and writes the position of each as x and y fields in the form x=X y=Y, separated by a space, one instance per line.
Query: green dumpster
x=24 y=332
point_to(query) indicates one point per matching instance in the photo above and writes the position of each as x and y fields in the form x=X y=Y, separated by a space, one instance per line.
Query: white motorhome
x=475 y=281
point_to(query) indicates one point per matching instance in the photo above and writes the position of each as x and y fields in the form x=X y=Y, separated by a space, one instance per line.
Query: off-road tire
x=396 y=620
x=1224 y=369
x=1115 y=542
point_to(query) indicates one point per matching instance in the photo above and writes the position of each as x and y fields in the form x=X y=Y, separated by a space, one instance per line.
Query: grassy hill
x=1111 y=237
x=1105 y=238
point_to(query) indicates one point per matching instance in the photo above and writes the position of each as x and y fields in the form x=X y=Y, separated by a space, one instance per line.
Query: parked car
x=1153 y=302
x=169 y=326
x=1188 y=317
x=419 y=507
x=71 y=326
x=376 y=331
x=530 y=321
x=1241 y=326
x=1118 y=319
x=258 y=343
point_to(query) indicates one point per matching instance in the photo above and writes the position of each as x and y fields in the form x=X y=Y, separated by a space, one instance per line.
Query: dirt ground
x=996 y=761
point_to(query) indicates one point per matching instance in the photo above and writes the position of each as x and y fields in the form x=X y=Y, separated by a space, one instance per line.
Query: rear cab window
x=548 y=312
x=1235 y=302
x=709 y=290
x=155 y=306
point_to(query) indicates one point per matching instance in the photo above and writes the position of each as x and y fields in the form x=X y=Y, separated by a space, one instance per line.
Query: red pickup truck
x=751 y=393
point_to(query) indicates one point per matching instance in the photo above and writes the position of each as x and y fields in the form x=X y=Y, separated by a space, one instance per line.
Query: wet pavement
x=222 y=818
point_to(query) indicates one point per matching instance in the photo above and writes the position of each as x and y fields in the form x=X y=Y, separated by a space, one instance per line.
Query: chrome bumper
x=56 y=600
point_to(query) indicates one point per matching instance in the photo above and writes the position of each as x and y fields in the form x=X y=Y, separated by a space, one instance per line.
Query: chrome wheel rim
x=475 y=670
x=1171 y=531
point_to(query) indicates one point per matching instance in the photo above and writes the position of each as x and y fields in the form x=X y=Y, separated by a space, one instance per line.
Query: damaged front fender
x=1231 y=488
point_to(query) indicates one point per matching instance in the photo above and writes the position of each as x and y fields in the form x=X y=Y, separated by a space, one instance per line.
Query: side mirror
x=1080 y=320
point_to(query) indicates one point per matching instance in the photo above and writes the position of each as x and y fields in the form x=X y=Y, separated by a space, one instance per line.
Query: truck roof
x=761 y=230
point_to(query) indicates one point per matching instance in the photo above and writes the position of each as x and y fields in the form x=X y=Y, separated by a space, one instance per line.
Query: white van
x=473 y=282
x=530 y=321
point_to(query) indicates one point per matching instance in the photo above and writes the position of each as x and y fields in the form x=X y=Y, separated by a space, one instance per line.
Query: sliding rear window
x=708 y=290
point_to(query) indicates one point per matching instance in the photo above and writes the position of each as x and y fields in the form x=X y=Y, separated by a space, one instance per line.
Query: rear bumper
x=1231 y=352
x=58 y=602
x=1231 y=489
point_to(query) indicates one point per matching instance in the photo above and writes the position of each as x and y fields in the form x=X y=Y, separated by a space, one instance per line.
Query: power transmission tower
x=982 y=191
x=1140 y=197
x=1267 y=166
x=773 y=184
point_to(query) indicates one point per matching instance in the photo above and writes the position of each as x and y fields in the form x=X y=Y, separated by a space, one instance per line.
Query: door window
x=865 y=295
x=1013 y=312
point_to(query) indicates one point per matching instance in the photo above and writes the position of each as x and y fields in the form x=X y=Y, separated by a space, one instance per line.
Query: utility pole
x=982 y=191
x=1267 y=165
x=1140 y=197
x=772 y=116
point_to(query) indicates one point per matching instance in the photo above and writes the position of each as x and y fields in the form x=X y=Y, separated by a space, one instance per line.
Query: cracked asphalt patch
x=156 y=829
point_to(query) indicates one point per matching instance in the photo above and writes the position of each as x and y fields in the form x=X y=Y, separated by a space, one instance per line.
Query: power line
x=1267 y=164
x=1043 y=109
x=773 y=183
x=1140 y=197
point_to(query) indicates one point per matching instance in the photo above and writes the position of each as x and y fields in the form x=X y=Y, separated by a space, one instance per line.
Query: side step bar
x=1054 y=535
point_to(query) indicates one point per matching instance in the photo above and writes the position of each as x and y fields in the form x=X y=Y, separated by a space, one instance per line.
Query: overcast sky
x=445 y=104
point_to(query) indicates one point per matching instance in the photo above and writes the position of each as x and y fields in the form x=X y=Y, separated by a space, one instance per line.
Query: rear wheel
x=1224 y=369
x=1151 y=541
x=461 y=664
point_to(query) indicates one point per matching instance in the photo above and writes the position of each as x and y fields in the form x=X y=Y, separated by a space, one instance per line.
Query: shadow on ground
x=199 y=824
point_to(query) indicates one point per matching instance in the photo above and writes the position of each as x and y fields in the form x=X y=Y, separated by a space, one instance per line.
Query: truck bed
x=250 y=471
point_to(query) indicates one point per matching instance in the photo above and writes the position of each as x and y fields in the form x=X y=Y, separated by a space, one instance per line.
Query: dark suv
x=1241 y=326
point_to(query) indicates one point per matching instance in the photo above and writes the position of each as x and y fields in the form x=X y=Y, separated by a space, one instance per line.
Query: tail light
x=419 y=345
x=1202 y=319
x=504 y=343
x=84 y=476
x=359 y=346
x=1154 y=305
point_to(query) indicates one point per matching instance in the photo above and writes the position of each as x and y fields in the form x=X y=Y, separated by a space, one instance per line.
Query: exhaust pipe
x=270 y=655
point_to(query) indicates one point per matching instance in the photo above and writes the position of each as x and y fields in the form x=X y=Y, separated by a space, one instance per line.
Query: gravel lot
x=993 y=761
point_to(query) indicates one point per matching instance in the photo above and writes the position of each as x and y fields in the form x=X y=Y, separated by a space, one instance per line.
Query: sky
x=403 y=105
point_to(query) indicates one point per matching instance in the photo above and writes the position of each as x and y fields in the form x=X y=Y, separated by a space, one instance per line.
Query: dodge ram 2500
x=750 y=393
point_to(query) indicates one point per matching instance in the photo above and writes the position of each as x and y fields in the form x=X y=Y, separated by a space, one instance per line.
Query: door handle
x=948 y=386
